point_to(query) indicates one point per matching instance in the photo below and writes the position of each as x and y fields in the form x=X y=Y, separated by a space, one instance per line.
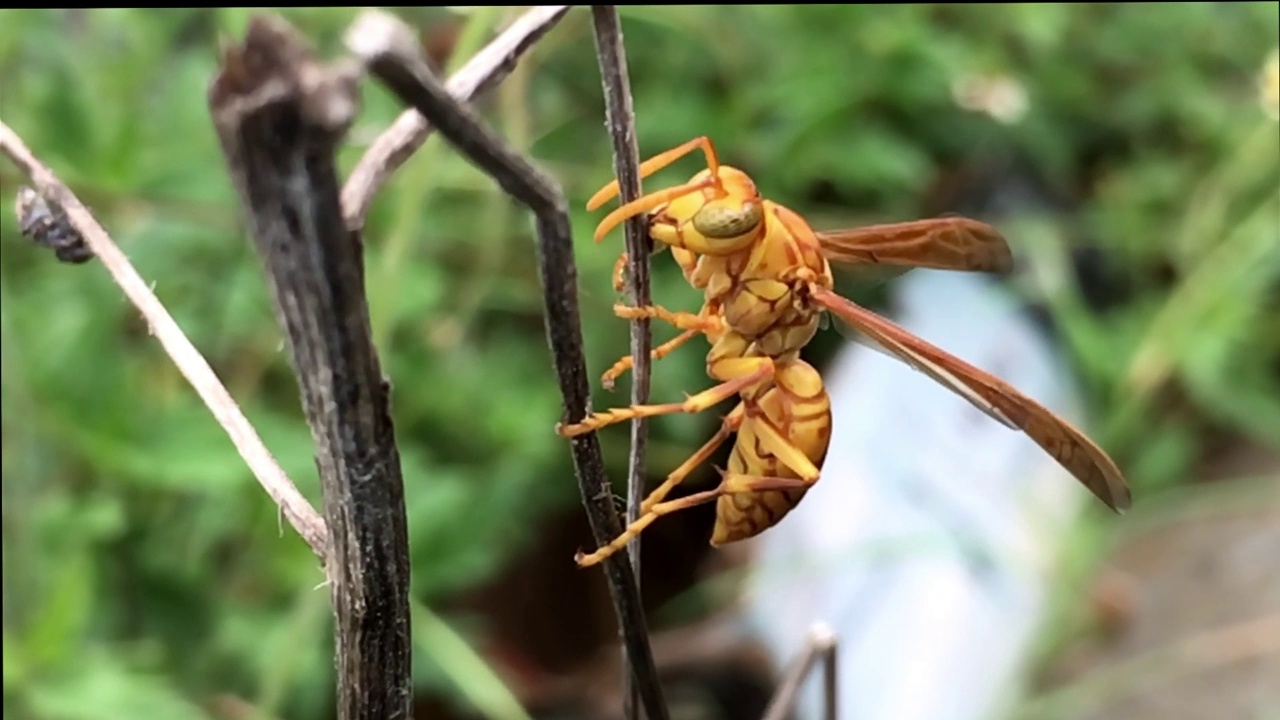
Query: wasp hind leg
x=731 y=485
x=653 y=507
x=731 y=423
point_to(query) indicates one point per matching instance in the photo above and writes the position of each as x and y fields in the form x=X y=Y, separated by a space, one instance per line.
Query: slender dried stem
x=391 y=52
x=822 y=646
x=295 y=508
x=482 y=72
x=280 y=116
x=620 y=119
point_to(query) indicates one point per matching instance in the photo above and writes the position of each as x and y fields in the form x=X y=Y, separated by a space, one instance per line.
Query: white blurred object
x=929 y=542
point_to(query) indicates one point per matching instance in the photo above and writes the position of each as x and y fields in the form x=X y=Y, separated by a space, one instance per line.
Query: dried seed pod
x=45 y=222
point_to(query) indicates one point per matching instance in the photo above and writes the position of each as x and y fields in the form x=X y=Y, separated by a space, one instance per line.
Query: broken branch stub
x=280 y=115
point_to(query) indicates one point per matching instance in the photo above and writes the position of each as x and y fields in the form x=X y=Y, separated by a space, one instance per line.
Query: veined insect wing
x=939 y=373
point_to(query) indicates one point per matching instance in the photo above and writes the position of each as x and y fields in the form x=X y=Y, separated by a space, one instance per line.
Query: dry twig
x=399 y=141
x=189 y=361
x=391 y=52
x=280 y=115
x=621 y=122
x=821 y=646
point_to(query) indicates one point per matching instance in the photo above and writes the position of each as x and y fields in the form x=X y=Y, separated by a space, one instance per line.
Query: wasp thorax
x=722 y=221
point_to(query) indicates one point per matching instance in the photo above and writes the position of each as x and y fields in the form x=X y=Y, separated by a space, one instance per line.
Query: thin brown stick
x=280 y=115
x=389 y=49
x=620 y=119
x=482 y=72
x=304 y=519
x=822 y=646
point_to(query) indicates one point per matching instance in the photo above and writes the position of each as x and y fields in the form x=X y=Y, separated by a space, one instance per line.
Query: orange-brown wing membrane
x=949 y=243
x=1077 y=453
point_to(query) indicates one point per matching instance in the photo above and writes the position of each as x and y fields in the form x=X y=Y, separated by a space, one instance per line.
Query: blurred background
x=1130 y=153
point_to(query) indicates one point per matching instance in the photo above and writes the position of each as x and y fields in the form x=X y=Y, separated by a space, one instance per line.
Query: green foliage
x=145 y=573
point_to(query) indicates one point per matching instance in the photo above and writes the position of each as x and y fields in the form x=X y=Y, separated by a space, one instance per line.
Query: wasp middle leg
x=729 y=486
x=702 y=322
x=743 y=373
x=625 y=362
x=726 y=362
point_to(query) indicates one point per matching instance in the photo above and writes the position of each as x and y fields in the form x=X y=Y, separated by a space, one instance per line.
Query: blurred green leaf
x=1229 y=286
x=103 y=690
x=14 y=665
x=449 y=653
x=55 y=631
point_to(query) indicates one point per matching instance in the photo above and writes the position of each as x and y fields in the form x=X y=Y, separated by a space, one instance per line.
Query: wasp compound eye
x=45 y=222
x=720 y=221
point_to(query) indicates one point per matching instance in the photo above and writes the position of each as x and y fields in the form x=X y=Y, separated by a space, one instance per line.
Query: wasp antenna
x=660 y=161
x=645 y=204
x=603 y=195
x=713 y=160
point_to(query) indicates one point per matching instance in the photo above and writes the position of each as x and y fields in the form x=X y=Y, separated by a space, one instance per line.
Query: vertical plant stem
x=620 y=119
x=280 y=115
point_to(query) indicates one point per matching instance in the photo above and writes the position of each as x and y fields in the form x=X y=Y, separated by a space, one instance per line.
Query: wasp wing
x=945 y=243
x=1070 y=447
x=867 y=256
